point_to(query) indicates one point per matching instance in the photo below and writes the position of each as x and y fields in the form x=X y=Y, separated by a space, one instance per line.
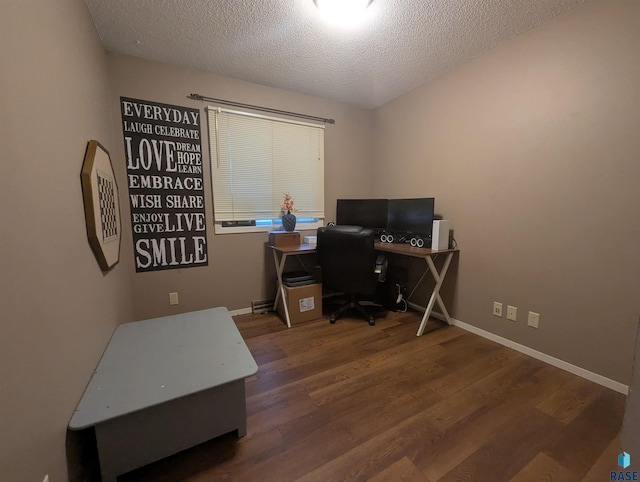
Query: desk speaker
x=440 y=235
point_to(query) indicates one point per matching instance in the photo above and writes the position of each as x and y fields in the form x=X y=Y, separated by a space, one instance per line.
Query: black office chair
x=347 y=259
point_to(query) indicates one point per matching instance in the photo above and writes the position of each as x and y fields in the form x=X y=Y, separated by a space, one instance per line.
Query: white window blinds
x=255 y=160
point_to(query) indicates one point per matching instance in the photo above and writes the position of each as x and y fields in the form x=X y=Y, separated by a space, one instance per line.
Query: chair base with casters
x=352 y=304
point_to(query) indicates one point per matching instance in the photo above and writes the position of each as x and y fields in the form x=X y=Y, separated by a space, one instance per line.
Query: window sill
x=218 y=229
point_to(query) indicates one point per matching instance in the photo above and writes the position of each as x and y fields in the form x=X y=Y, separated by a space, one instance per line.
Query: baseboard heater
x=262 y=306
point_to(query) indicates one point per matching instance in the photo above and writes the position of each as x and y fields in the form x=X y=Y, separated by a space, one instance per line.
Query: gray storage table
x=164 y=385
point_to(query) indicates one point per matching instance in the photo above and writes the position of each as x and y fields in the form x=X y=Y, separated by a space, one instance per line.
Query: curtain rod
x=262 y=109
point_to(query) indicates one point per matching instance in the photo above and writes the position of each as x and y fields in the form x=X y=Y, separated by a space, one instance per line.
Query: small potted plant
x=288 y=218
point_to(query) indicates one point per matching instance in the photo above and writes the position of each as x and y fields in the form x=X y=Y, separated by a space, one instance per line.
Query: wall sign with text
x=166 y=188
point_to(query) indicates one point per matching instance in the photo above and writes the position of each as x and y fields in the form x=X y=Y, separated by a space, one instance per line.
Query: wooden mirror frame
x=101 y=205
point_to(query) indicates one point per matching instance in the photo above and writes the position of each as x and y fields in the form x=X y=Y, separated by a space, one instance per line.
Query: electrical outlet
x=512 y=313
x=533 y=320
x=497 y=309
x=173 y=298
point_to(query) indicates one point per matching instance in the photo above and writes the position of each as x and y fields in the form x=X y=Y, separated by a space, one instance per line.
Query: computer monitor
x=411 y=216
x=368 y=213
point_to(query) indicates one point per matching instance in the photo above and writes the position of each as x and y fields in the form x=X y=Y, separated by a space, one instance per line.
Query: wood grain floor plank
x=373 y=455
x=339 y=378
x=504 y=408
x=514 y=445
x=606 y=463
x=402 y=470
x=353 y=402
x=455 y=380
x=568 y=402
x=298 y=458
x=291 y=407
x=345 y=377
x=590 y=433
x=480 y=392
x=420 y=364
x=543 y=468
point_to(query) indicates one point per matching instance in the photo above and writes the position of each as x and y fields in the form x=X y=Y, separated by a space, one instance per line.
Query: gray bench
x=164 y=385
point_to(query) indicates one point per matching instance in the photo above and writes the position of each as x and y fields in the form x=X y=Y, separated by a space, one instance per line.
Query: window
x=255 y=160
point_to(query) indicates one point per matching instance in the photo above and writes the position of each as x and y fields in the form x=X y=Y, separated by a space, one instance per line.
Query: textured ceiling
x=398 y=44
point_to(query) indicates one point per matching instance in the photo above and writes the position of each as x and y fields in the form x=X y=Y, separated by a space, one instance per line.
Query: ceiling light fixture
x=342 y=9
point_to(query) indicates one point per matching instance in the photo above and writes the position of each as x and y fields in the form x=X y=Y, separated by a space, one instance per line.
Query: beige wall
x=240 y=269
x=532 y=151
x=58 y=308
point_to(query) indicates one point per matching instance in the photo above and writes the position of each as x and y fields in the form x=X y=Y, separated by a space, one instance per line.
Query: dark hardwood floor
x=354 y=402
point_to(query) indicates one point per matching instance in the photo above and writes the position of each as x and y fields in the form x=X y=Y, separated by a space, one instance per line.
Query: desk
x=164 y=385
x=428 y=255
x=280 y=259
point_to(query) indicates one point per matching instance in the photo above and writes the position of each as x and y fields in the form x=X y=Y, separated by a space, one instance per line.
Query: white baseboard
x=538 y=355
x=241 y=311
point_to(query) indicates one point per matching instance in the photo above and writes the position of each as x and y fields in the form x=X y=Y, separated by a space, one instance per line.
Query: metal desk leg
x=280 y=295
x=435 y=295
